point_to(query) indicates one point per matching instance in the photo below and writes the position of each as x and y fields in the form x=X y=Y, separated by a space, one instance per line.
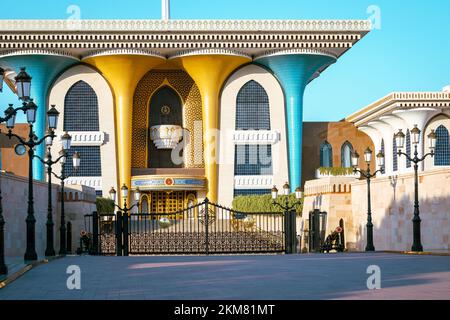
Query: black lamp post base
x=3 y=270
x=370 y=248
x=30 y=257
x=50 y=253
x=417 y=248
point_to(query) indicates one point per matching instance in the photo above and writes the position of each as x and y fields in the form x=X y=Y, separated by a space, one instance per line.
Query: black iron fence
x=205 y=228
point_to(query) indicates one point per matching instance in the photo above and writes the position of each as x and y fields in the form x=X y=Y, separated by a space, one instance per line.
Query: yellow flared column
x=209 y=72
x=123 y=73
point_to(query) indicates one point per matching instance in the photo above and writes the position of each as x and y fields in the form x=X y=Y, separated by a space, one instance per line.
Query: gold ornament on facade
x=165 y=110
x=181 y=82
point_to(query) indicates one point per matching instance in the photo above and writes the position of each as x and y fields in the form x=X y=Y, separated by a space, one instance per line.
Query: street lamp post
x=48 y=162
x=415 y=138
x=76 y=160
x=368 y=176
x=289 y=214
x=2 y=77
x=122 y=217
x=9 y=113
x=124 y=190
x=23 y=84
x=3 y=267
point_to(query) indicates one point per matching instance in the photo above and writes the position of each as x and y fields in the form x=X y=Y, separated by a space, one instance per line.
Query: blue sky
x=410 y=52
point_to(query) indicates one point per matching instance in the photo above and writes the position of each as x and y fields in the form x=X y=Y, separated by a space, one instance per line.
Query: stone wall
x=393 y=208
x=333 y=196
x=15 y=195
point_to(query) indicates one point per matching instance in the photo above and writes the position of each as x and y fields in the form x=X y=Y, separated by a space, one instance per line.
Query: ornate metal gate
x=205 y=228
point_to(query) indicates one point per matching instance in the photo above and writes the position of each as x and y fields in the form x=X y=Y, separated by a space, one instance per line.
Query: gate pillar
x=94 y=233
x=290 y=232
x=119 y=248
x=125 y=218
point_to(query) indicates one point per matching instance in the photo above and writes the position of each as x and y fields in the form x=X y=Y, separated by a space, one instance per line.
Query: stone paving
x=268 y=277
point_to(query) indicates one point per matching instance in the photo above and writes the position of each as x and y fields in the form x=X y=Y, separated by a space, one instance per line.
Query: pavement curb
x=16 y=275
x=440 y=254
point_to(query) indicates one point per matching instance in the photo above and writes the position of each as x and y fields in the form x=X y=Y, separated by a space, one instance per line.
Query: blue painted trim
x=294 y=71
x=43 y=69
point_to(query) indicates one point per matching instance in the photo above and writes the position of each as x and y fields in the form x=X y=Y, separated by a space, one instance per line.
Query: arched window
x=81 y=114
x=326 y=155
x=394 y=155
x=252 y=113
x=252 y=108
x=81 y=108
x=166 y=108
x=408 y=148
x=383 y=168
x=90 y=162
x=346 y=155
x=144 y=204
x=442 y=157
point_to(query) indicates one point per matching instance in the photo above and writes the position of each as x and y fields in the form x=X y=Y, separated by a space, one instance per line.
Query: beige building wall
x=227 y=131
x=106 y=137
x=392 y=199
x=15 y=206
x=393 y=208
x=441 y=119
x=333 y=196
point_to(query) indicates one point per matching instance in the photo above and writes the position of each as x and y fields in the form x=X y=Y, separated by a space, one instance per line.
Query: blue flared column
x=294 y=71
x=43 y=69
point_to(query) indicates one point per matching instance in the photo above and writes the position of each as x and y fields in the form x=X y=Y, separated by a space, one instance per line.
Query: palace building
x=180 y=109
x=338 y=198
x=188 y=109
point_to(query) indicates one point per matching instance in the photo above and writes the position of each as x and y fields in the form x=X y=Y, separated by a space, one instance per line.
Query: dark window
x=99 y=193
x=326 y=155
x=346 y=155
x=252 y=108
x=165 y=109
x=90 y=165
x=248 y=192
x=394 y=155
x=81 y=108
x=442 y=157
x=408 y=148
x=253 y=160
x=383 y=168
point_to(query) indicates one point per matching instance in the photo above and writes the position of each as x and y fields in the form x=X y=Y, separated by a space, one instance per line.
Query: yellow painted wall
x=123 y=73
x=209 y=72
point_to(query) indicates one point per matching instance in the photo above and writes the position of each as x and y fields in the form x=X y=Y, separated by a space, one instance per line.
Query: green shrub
x=335 y=171
x=104 y=205
x=262 y=203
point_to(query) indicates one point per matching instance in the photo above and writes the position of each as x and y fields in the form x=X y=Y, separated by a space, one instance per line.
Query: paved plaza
x=272 y=277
